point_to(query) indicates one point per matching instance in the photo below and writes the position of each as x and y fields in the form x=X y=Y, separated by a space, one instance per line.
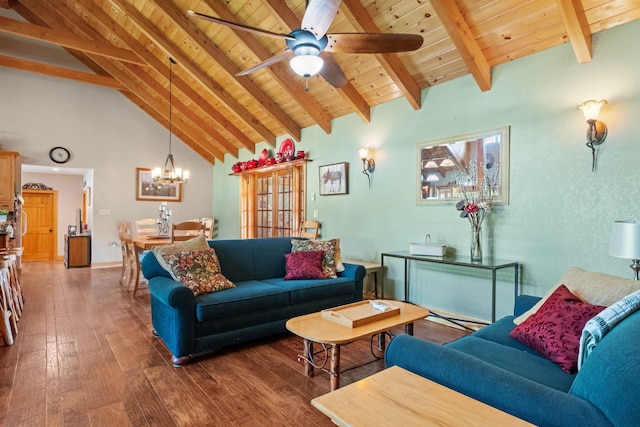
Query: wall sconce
x=597 y=131
x=368 y=164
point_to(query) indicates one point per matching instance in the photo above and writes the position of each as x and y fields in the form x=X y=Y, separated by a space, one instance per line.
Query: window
x=272 y=200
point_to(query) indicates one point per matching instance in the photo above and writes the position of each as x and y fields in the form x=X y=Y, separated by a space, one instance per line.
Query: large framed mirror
x=478 y=156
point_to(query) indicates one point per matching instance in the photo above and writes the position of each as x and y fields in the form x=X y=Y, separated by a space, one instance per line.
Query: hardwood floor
x=85 y=356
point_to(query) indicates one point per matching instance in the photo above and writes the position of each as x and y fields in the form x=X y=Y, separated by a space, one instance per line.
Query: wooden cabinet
x=77 y=251
x=7 y=179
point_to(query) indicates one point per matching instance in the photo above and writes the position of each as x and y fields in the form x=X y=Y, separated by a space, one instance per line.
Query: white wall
x=104 y=131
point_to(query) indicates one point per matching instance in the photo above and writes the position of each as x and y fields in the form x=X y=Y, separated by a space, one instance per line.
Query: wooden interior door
x=41 y=208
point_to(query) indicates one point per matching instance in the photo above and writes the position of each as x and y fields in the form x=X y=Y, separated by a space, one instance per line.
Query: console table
x=461 y=261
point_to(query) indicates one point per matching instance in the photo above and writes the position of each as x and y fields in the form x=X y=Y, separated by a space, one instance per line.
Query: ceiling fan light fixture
x=306 y=65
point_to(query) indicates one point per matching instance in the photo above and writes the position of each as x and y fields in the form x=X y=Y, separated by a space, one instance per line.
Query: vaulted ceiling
x=128 y=43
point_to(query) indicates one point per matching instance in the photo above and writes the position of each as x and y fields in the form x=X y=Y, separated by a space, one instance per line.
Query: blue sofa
x=258 y=306
x=491 y=367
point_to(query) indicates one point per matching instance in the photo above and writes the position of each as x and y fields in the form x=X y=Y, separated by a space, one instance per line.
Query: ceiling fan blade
x=332 y=72
x=372 y=42
x=319 y=16
x=238 y=26
x=286 y=55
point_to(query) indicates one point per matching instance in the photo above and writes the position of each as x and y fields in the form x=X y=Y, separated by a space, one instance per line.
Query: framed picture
x=334 y=179
x=478 y=156
x=71 y=231
x=147 y=190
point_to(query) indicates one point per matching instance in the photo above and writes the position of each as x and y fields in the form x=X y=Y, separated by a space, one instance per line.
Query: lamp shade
x=625 y=240
x=306 y=65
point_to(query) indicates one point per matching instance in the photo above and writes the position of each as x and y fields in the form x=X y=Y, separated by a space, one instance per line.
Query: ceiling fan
x=309 y=47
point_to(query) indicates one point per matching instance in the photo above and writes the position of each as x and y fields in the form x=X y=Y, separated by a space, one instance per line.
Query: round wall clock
x=59 y=155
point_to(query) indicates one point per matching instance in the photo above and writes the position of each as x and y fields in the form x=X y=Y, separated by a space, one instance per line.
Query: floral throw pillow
x=555 y=329
x=199 y=270
x=329 y=248
x=304 y=265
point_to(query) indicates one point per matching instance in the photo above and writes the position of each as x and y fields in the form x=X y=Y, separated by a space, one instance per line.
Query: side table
x=372 y=269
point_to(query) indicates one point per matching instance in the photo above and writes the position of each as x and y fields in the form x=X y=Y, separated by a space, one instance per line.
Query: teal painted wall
x=560 y=213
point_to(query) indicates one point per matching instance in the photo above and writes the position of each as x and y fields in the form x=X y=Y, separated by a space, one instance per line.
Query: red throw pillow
x=304 y=265
x=555 y=329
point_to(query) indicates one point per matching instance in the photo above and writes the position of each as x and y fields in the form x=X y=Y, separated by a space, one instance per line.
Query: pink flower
x=471 y=208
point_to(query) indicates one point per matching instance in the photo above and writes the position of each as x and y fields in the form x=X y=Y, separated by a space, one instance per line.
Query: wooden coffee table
x=397 y=397
x=313 y=328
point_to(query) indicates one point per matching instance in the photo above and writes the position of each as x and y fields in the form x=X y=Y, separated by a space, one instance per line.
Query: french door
x=272 y=202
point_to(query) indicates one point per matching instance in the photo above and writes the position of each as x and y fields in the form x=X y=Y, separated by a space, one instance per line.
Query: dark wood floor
x=85 y=356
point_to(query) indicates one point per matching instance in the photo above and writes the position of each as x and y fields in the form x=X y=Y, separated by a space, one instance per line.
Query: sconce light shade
x=432 y=178
x=368 y=164
x=591 y=109
x=625 y=243
x=597 y=131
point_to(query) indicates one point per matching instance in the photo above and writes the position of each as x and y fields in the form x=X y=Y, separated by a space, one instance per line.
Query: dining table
x=148 y=242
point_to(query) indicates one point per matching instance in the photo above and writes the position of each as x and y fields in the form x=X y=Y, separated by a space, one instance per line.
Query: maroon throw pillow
x=304 y=265
x=555 y=329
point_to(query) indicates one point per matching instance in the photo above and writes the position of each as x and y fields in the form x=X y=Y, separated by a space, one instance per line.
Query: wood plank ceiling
x=127 y=44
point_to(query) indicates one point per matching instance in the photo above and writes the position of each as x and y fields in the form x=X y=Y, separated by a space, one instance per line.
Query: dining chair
x=123 y=230
x=130 y=278
x=186 y=230
x=208 y=228
x=146 y=227
x=208 y=225
x=310 y=229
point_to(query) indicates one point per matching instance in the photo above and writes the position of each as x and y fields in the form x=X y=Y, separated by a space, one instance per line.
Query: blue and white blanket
x=597 y=327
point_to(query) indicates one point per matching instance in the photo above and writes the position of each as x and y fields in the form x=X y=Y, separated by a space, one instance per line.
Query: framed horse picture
x=334 y=179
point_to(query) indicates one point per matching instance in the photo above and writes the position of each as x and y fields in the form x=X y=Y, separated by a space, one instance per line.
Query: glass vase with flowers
x=476 y=189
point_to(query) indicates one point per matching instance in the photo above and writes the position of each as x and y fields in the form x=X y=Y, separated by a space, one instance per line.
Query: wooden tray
x=359 y=313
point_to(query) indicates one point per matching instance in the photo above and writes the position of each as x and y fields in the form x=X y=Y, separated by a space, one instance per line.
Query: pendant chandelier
x=170 y=174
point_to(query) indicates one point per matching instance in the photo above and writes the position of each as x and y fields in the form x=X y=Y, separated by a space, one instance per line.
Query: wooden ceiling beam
x=349 y=93
x=269 y=105
x=56 y=19
x=465 y=43
x=360 y=19
x=184 y=111
x=199 y=75
x=279 y=71
x=575 y=22
x=162 y=68
x=157 y=116
x=65 y=73
x=68 y=40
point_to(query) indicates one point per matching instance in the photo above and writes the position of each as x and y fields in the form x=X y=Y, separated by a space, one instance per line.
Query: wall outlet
x=315 y=213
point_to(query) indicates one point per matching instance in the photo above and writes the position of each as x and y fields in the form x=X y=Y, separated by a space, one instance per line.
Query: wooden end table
x=397 y=397
x=313 y=328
